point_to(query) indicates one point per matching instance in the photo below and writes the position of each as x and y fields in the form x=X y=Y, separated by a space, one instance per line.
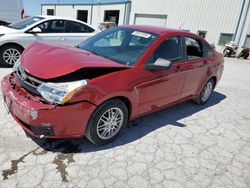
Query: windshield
x=25 y=23
x=122 y=45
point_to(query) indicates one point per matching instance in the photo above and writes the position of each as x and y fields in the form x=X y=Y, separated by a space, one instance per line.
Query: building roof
x=152 y=29
x=96 y=2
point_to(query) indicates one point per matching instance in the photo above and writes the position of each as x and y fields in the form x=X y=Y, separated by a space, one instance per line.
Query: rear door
x=76 y=32
x=195 y=66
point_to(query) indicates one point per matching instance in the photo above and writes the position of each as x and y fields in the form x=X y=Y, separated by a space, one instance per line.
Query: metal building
x=92 y=13
x=218 y=21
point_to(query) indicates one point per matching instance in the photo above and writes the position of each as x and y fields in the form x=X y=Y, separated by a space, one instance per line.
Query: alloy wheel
x=207 y=90
x=11 y=55
x=110 y=123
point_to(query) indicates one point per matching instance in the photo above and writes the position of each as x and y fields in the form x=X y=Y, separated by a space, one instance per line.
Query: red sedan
x=109 y=79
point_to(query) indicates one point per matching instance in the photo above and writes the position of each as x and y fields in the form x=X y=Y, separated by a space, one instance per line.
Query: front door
x=52 y=32
x=163 y=87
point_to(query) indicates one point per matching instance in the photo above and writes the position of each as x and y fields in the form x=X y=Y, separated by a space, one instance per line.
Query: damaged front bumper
x=41 y=119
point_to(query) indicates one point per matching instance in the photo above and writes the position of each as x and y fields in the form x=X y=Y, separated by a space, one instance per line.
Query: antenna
x=181 y=26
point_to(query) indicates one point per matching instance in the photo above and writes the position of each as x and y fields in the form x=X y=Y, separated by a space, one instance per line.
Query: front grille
x=27 y=81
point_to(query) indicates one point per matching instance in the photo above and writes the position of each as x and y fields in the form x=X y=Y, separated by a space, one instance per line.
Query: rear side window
x=193 y=48
x=75 y=27
x=170 y=49
x=208 y=50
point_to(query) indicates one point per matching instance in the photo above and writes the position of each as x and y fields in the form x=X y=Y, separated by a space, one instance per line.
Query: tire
x=246 y=56
x=100 y=134
x=7 y=51
x=225 y=53
x=203 y=96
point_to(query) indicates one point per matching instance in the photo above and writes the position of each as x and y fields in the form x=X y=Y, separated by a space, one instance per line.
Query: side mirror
x=36 y=30
x=160 y=64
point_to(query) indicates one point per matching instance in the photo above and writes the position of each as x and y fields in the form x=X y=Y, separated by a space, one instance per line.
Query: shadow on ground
x=134 y=131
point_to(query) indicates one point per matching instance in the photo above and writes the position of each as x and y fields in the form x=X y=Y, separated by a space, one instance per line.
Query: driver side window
x=170 y=50
x=52 y=26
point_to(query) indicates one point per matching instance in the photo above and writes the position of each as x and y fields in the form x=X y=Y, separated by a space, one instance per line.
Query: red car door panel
x=163 y=87
x=196 y=73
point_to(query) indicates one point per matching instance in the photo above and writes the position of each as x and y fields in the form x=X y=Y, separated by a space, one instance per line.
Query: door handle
x=179 y=68
x=205 y=62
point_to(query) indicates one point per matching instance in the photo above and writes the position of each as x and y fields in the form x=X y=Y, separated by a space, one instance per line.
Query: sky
x=33 y=7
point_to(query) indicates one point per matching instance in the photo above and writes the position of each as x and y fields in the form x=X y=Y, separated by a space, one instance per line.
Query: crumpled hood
x=49 y=61
x=6 y=30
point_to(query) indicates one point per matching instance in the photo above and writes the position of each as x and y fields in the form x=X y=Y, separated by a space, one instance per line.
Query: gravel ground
x=182 y=146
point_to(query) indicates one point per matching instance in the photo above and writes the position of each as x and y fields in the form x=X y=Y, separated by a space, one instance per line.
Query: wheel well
x=215 y=80
x=126 y=102
x=14 y=44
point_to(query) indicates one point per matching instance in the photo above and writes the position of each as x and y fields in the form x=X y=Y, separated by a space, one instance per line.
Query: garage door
x=151 y=19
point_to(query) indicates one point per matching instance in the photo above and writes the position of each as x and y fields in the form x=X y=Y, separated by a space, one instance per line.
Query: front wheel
x=106 y=122
x=206 y=93
x=9 y=54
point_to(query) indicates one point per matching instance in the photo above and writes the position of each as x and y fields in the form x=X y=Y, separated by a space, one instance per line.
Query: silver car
x=15 y=37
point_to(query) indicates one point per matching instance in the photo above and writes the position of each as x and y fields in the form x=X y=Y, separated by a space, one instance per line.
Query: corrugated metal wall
x=213 y=16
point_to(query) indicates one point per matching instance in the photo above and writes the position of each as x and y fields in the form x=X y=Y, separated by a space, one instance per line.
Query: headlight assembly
x=1 y=35
x=16 y=65
x=60 y=93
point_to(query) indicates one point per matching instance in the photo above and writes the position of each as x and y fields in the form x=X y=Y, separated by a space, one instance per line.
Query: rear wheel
x=206 y=93
x=9 y=54
x=107 y=122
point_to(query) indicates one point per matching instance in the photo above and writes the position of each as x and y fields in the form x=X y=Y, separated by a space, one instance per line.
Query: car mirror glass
x=162 y=62
x=36 y=30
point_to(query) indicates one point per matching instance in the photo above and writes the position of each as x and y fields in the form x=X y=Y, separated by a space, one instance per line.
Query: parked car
x=11 y=11
x=117 y=75
x=15 y=37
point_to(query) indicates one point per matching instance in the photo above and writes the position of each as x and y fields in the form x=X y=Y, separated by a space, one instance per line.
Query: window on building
x=50 y=12
x=225 y=38
x=247 y=41
x=75 y=27
x=82 y=15
x=112 y=16
x=194 y=48
x=202 y=33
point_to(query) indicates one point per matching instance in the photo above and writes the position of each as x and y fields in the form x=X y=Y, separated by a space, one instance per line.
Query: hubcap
x=207 y=91
x=11 y=55
x=110 y=123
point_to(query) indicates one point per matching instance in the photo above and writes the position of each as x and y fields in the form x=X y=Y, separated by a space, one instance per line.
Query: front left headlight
x=1 y=35
x=16 y=65
x=60 y=93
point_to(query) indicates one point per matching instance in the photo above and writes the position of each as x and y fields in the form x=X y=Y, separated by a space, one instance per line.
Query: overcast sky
x=34 y=7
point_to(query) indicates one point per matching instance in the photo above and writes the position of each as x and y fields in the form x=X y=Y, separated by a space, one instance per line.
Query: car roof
x=159 y=30
x=65 y=18
x=57 y=17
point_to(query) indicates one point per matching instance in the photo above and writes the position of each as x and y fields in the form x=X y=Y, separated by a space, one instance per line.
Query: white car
x=15 y=37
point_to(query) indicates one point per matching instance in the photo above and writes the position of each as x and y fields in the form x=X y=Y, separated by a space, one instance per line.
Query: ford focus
x=116 y=76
